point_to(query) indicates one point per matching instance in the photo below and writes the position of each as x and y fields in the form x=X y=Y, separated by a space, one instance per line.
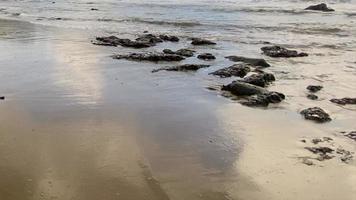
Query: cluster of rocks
x=324 y=149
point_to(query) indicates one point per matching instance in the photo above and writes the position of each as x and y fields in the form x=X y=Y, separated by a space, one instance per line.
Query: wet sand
x=78 y=125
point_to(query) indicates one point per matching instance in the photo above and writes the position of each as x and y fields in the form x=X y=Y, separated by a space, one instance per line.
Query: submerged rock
x=115 y=41
x=243 y=89
x=200 y=41
x=186 y=67
x=239 y=70
x=252 y=61
x=154 y=57
x=314 y=88
x=263 y=99
x=344 y=101
x=206 y=56
x=261 y=79
x=316 y=114
x=181 y=52
x=277 y=51
x=320 y=7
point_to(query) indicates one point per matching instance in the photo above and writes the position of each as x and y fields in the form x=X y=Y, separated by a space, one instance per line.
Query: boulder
x=277 y=51
x=200 y=41
x=186 y=67
x=243 y=89
x=320 y=7
x=239 y=70
x=316 y=114
x=258 y=62
x=154 y=57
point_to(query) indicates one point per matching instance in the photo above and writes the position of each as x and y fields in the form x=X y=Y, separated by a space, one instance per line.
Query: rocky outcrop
x=320 y=7
x=316 y=114
x=239 y=70
x=186 y=67
x=153 y=57
x=277 y=51
x=257 y=62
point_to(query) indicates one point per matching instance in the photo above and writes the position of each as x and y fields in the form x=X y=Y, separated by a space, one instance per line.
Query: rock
x=351 y=135
x=261 y=79
x=149 y=39
x=344 y=101
x=316 y=114
x=154 y=57
x=239 y=70
x=307 y=162
x=241 y=89
x=312 y=96
x=186 y=67
x=320 y=7
x=94 y=9
x=314 y=88
x=252 y=61
x=115 y=41
x=181 y=52
x=169 y=38
x=263 y=99
x=206 y=56
x=200 y=41
x=277 y=51
x=316 y=140
x=320 y=150
x=346 y=156
x=2 y=98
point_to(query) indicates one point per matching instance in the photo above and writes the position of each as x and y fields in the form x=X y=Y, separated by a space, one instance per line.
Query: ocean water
x=239 y=21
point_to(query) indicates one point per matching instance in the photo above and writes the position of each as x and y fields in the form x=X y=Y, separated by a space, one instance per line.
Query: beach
x=77 y=124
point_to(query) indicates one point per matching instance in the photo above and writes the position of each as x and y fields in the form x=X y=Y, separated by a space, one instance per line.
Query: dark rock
x=316 y=114
x=261 y=79
x=316 y=140
x=277 y=51
x=200 y=41
x=115 y=41
x=187 y=67
x=320 y=150
x=243 y=89
x=169 y=38
x=149 y=39
x=2 y=98
x=351 y=135
x=344 y=101
x=154 y=57
x=239 y=70
x=181 y=52
x=263 y=99
x=206 y=56
x=252 y=61
x=320 y=7
x=94 y=9
x=314 y=88
x=312 y=96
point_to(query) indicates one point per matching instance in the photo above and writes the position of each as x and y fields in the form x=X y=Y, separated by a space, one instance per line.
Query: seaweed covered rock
x=239 y=70
x=320 y=7
x=153 y=57
x=344 y=101
x=277 y=51
x=186 y=67
x=206 y=56
x=200 y=41
x=316 y=114
x=257 y=62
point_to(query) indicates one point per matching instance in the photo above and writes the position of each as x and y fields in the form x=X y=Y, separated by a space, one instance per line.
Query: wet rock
x=115 y=41
x=277 y=51
x=252 y=61
x=186 y=67
x=200 y=41
x=263 y=100
x=316 y=140
x=181 y=52
x=312 y=97
x=314 y=88
x=351 y=135
x=320 y=7
x=320 y=150
x=206 y=56
x=344 y=101
x=153 y=57
x=170 y=38
x=316 y=114
x=243 y=89
x=261 y=79
x=239 y=70
x=2 y=98
x=94 y=9
x=149 y=39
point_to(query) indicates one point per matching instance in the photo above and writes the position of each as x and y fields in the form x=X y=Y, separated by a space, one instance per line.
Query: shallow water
x=77 y=124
